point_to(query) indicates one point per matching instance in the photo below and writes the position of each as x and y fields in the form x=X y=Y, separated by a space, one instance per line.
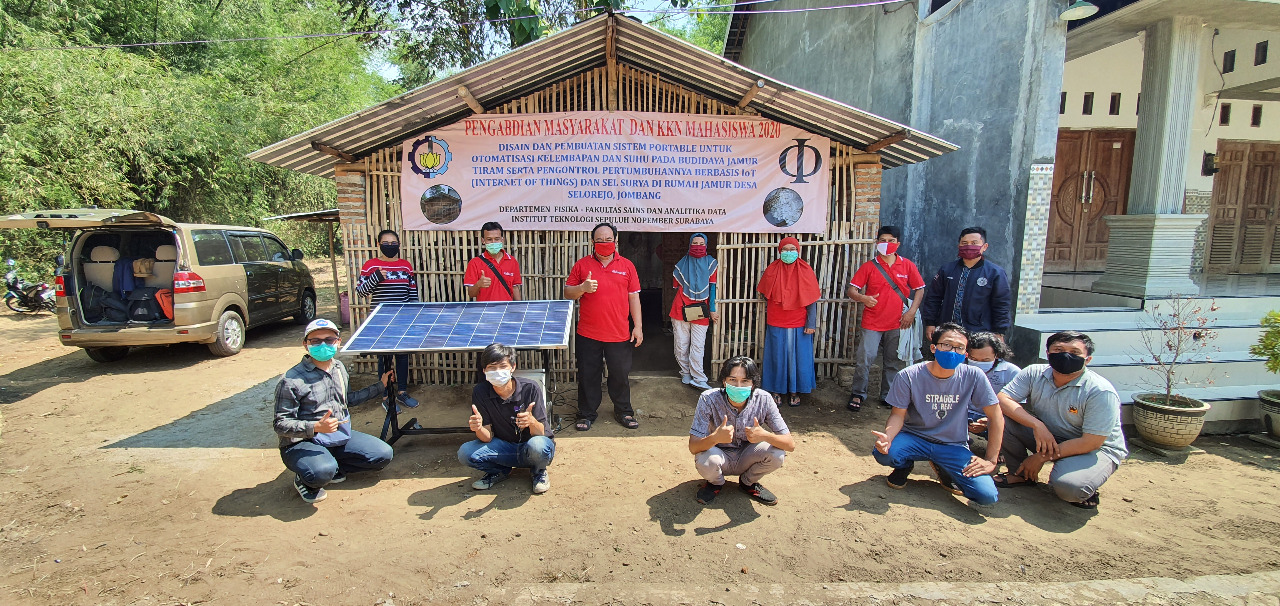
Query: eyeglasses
x=326 y=341
x=948 y=347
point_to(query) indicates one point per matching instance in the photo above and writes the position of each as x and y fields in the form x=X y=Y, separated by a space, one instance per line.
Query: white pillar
x=1150 y=247
x=1170 y=69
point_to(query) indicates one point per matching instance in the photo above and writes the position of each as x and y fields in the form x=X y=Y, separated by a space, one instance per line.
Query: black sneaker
x=898 y=478
x=759 y=493
x=338 y=478
x=308 y=494
x=1089 y=503
x=944 y=478
x=708 y=492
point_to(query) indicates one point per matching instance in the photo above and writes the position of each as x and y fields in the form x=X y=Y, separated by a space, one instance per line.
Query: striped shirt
x=399 y=286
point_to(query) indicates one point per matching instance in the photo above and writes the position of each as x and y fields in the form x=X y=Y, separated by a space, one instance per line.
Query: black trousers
x=593 y=356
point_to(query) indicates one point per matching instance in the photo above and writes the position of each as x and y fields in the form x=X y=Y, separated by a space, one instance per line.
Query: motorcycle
x=26 y=298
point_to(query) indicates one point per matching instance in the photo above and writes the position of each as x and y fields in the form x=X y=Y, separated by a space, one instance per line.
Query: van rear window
x=211 y=247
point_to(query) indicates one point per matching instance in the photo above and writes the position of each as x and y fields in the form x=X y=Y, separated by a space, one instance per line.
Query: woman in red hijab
x=791 y=317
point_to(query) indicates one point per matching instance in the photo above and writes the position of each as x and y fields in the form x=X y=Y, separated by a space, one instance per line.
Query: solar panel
x=470 y=326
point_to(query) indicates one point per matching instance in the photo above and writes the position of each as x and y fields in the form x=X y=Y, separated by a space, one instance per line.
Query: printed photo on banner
x=640 y=171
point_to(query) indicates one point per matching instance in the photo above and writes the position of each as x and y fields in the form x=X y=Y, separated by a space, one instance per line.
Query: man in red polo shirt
x=607 y=289
x=495 y=274
x=885 y=313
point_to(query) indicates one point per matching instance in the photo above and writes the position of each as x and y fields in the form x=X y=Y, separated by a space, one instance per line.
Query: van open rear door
x=83 y=218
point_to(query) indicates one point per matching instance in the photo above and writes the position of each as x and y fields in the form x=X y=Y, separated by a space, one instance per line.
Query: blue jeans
x=317 y=464
x=500 y=456
x=908 y=448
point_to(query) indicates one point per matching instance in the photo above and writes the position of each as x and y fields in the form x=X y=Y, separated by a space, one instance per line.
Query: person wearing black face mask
x=388 y=278
x=1071 y=418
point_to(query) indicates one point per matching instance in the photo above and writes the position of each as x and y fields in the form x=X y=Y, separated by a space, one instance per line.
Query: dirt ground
x=156 y=480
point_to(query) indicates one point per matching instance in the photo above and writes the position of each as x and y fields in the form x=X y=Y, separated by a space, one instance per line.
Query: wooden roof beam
x=750 y=94
x=611 y=60
x=325 y=149
x=887 y=141
x=470 y=99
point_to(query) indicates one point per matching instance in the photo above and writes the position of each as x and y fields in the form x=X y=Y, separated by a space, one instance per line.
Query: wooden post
x=611 y=59
x=471 y=101
x=750 y=94
x=333 y=265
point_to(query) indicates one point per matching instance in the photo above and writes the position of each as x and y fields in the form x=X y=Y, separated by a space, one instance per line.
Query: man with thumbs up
x=493 y=275
x=607 y=289
x=890 y=289
x=313 y=420
x=509 y=418
x=737 y=430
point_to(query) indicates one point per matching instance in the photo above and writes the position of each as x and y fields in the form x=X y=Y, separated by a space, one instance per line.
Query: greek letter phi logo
x=802 y=169
x=430 y=157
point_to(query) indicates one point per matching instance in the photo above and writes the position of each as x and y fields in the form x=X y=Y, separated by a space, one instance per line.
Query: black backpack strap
x=498 y=274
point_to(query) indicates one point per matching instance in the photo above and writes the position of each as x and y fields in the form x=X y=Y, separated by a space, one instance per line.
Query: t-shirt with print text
x=937 y=409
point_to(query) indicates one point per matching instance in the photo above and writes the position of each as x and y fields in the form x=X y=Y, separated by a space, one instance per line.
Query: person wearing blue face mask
x=928 y=422
x=494 y=275
x=737 y=430
x=313 y=420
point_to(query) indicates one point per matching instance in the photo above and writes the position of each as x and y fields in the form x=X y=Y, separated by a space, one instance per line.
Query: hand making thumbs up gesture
x=870 y=300
x=525 y=419
x=485 y=281
x=326 y=424
x=756 y=433
x=724 y=433
x=590 y=285
x=476 y=421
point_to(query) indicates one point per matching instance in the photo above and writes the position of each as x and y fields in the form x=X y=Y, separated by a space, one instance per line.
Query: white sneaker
x=700 y=384
x=488 y=481
x=541 y=483
x=686 y=379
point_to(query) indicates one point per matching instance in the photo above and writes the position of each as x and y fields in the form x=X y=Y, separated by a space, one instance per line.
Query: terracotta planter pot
x=1269 y=410
x=1168 y=426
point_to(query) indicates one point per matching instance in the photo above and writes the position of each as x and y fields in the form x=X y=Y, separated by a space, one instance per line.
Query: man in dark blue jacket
x=970 y=290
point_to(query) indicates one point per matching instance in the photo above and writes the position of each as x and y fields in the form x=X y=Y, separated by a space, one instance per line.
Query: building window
x=1224 y=114
x=1114 y=110
x=1256 y=120
x=1062 y=104
x=1229 y=62
x=1260 y=53
x=937 y=4
x=1088 y=104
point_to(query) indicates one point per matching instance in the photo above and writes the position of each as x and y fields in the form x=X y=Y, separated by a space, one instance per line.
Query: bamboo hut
x=609 y=63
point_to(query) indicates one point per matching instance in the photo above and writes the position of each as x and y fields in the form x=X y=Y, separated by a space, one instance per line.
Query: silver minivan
x=222 y=279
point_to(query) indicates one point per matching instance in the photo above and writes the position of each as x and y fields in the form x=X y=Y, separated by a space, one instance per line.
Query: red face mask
x=698 y=251
x=886 y=248
x=970 y=251
x=605 y=249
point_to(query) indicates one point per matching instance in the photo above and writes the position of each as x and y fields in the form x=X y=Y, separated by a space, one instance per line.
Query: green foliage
x=166 y=129
x=707 y=29
x=1268 y=345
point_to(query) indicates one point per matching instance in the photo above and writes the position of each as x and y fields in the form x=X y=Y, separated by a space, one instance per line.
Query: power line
x=706 y=11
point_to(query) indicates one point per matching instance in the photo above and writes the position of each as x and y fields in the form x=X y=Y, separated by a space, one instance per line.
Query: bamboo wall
x=440 y=257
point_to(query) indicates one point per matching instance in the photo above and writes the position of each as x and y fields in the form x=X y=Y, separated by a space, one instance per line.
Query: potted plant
x=1268 y=347
x=1178 y=333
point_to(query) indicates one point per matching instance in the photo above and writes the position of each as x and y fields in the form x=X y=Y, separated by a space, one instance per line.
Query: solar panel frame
x=420 y=327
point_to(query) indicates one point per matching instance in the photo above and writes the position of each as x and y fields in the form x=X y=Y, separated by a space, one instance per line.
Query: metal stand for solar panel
x=402 y=328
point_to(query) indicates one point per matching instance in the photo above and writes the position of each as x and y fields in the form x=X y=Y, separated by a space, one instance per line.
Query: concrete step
x=1239 y=305
x=1111 y=320
x=1124 y=342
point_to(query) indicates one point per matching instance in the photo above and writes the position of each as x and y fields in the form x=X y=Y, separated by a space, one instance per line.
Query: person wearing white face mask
x=509 y=418
x=991 y=355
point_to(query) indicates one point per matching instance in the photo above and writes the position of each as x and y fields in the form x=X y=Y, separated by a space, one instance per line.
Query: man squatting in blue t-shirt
x=929 y=420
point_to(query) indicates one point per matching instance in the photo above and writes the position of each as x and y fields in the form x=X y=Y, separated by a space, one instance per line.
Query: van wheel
x=106 y=354
x=307 y=312
x=230 y=335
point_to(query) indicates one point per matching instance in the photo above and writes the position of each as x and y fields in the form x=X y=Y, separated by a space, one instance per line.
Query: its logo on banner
x=430 y=157
x=802 y=170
